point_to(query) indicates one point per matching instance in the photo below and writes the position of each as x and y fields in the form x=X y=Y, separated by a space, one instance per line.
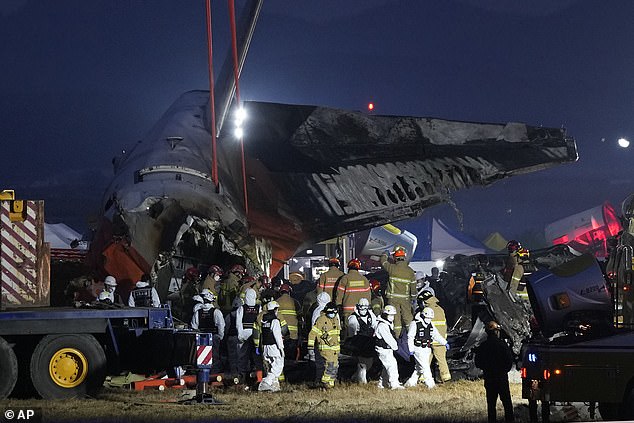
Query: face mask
x=216 y=278
x=110 y=288
x=427 y=320
x=362 y=311
x=330 y=315
x=390 y=318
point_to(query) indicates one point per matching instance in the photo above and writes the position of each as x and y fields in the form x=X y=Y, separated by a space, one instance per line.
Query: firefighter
x=188 y=288
x=230 y=287
x=272 y=348
x=420 y=335
x=378 y=303
x=249 y=282
x=214 y=273
x=323 y=343
x=207 y=318
x=361 y=326
x=495 y=359
x=514 y=269
x=328 y=279
x=288 y=311
x=144 y=295
x=245 y=318
x=386 y=344
x=401 y=288
x=351 y=288
x=439 y=352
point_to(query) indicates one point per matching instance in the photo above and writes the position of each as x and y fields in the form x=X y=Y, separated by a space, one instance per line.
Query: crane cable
x=214 y=161
x=234 y=46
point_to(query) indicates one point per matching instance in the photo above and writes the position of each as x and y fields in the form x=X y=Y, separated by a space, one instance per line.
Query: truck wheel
x=67 y=366
x=8 y=369
x=609 y=410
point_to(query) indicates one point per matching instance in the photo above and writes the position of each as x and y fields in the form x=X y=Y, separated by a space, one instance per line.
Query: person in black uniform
x=495 y=359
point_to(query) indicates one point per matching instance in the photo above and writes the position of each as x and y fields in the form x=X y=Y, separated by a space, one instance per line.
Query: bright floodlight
x=623 y=143
x=241 y=115
x=440 y=263
x=239 y=133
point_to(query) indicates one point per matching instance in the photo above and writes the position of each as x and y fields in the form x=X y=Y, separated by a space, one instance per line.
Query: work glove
x=311 y=355
x=447 y=346
x=257 y=350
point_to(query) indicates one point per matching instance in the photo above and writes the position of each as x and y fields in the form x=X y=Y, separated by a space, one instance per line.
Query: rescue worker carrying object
x=385 y=346
x=401 y=288
x=324 y=345
x=420 y=335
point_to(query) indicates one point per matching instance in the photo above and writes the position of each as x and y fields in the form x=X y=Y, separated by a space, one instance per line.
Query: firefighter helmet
x=192 y=274
x=331 y=307
x=399 y=252
x=214 y=269
x=428 y=313
x=104 y=296
x=285 y=288
x=424 y=295
x=390 y=310
x=354 y=264
x=492 y=326
x=375 y=285
x=247 y=280
x=334 y=261
x=272 y=305
x=238 y=268
x=110 y=281
x=513 y=246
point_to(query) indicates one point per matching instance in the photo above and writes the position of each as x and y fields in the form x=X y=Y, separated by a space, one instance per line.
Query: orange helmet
x=400 y=252
x=334 y=261
x=375 y=285
x=354 y=264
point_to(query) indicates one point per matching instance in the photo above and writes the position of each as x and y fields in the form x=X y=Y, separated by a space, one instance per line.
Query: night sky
x=83 y=80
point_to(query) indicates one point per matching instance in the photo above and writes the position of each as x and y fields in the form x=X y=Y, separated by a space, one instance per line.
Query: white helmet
x=272 y=305
x=207 y=295
x=110 y=280
x=428 y=313
x=390 y=310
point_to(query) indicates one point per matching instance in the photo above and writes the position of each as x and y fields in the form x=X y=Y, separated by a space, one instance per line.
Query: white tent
x=60 y=236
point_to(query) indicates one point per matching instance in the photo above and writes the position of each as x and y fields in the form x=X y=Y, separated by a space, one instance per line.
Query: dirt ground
x=459 y=401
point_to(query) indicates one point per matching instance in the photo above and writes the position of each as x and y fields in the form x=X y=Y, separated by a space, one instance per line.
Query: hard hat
x=513 y=246
x=110 y=280
x=215 y=270
x=296 y=277
x=272 y=305
x=390 y=310
x=334 y=261
x=192 y=274
x=354 y=264
x=399 y=252
x=492 y=326
x=285 y=288
x=428 y=313
x=104 y=296
x=331 y=307
x=207 y=295
x=424 y=295
x=238 y=268
x=375 y=285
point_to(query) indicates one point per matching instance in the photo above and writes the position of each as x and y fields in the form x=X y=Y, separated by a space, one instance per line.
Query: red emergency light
x=370 y=106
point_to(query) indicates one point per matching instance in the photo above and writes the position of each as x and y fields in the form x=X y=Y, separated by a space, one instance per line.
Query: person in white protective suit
x=208 y=318
x=385 y=346
x=361 y=326
x=245 y=319
x=273 y=348
x=420 y=335
x=322 y=299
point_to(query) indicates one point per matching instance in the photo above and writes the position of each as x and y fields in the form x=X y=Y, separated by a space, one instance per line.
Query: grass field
x=460 y=401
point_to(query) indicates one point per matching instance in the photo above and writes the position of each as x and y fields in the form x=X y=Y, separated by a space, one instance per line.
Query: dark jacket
x=494 y=357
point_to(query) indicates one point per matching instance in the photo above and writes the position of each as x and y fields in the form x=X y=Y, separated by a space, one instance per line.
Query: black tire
x=68 y=366
x=609 y=410
x=8 y=369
